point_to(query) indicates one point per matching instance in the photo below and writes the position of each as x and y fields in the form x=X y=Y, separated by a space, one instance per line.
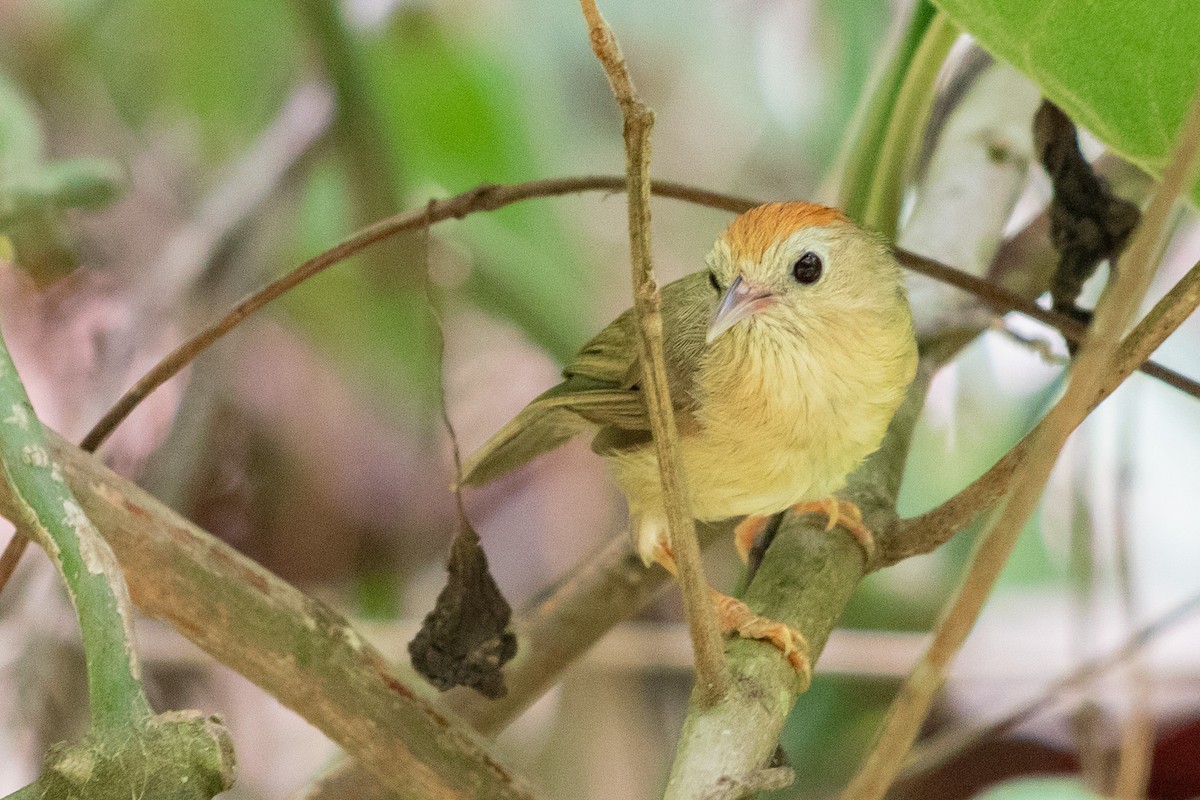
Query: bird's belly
x=732 y=478
x=761 y=473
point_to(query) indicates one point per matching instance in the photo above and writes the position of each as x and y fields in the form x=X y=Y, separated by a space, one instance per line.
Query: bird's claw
x=736 y=617
x=845 y=514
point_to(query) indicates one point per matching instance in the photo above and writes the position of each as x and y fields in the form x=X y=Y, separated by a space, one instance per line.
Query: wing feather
x=601 y=390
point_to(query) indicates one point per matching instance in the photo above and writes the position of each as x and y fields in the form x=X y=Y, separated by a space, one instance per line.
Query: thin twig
x=712 y=673
x=487 y=197
x=490 y=197
x=947 y=746
x=1097 y=358
x=1136 y=753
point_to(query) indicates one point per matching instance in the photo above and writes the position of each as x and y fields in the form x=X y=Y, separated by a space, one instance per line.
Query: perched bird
x=786 y=360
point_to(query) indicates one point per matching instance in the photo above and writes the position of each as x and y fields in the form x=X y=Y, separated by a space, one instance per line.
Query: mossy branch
x=47 y=510
x=292 y=646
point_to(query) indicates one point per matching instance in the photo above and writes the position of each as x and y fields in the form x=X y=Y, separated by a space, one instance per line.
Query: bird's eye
x=807 y=268
x=712 y=281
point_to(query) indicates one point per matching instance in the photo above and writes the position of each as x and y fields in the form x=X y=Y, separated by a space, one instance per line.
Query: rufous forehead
x=753 y=232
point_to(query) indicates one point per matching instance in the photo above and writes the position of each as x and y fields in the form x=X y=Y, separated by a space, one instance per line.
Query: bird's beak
x=741 y=300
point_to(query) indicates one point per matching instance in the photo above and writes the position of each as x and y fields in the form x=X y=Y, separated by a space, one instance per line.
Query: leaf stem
x=870 y=125
x=906 y=126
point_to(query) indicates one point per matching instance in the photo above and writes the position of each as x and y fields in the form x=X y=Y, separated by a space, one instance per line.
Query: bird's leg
x=734 y=616
x=844 y=513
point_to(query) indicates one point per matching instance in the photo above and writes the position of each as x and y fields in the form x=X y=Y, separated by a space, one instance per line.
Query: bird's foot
x=745 y=533
x=734 y=616
x=845 y=514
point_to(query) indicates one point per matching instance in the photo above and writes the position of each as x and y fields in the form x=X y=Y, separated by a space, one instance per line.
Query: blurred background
x=249 y=136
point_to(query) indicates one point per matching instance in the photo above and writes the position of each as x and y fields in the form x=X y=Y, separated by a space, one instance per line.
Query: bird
x=786 y=359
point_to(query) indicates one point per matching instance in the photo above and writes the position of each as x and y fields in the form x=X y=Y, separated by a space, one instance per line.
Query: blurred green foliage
x=221 y=67
x=34 y=193
x=1039 y=789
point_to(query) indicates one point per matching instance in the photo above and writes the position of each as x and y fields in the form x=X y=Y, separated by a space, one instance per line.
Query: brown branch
x=294 y=647
x=712 y=674
x=947 y=746
x=1098 y=356
x=487 y=197
x=1136 y=753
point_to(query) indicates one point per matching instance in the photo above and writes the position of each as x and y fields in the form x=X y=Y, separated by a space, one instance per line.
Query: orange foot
x=840 y=512
x=735 y=616
x=844 y=513
x=745 y=533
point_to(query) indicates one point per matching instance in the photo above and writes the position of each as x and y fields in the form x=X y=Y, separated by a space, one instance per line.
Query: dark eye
x=712 y=281
x=807 y=268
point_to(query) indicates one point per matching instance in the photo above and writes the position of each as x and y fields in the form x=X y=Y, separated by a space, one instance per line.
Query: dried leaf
x=1088 y=224
x=464 y=641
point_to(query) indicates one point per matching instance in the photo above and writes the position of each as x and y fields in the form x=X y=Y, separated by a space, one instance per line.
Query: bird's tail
x=543 y=425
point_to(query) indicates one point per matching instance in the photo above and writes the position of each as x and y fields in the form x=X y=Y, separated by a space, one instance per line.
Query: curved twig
x=491 y=197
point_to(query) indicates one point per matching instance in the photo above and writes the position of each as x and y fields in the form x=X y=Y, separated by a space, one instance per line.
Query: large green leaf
x=1124 y=69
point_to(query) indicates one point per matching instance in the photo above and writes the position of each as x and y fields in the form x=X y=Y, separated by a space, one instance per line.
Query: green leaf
x=1123 y=69
x=20 y=133
x=1039 y=789
x=33 y=194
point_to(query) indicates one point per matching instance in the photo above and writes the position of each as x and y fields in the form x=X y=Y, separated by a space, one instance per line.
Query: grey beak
x=740 y=300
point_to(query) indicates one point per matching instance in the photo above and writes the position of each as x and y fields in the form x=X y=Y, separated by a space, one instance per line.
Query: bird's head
x=791 y=265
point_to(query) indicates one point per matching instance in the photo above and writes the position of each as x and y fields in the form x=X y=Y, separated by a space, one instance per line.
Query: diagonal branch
x=948 y=745
x=1098 y=357
x=712 y=675
x=930 y=530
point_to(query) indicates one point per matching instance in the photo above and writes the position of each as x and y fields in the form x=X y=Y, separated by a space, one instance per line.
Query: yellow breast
x=780 y=419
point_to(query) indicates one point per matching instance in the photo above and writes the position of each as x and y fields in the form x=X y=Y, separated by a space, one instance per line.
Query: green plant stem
x=870 y=126
x=50 y=512
x=905 y=128
x=294 y=647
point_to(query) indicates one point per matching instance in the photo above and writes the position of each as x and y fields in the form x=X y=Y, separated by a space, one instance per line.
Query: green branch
x=180 y=755
x=50 y=513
